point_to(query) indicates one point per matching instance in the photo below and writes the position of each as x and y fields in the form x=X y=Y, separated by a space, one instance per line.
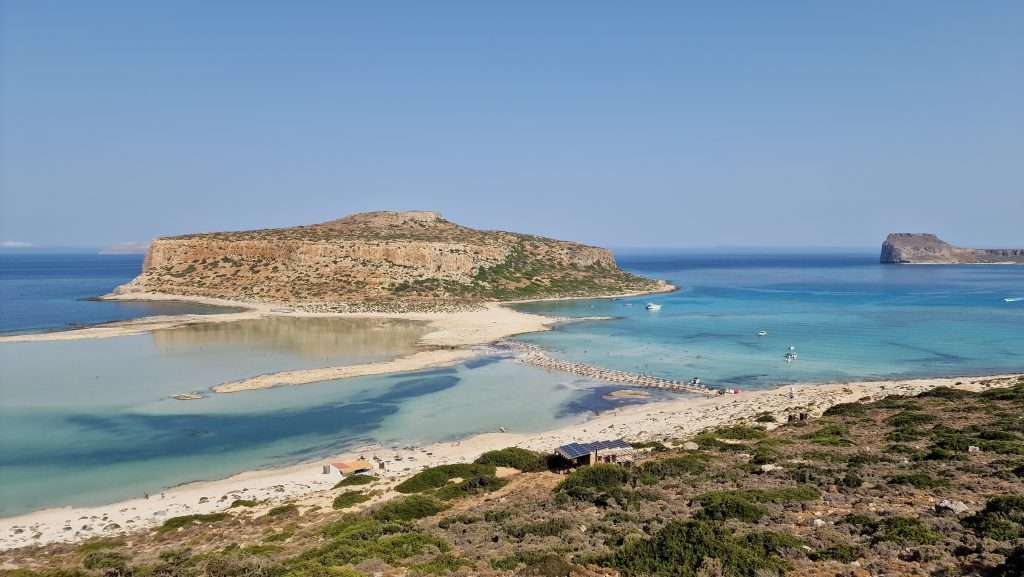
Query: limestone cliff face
x=919 y=248
x=395 y=258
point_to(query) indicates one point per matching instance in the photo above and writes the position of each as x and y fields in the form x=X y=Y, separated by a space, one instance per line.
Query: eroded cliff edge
x=921 y=248
x=380 y=261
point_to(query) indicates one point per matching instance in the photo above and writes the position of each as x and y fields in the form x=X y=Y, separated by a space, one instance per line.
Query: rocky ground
x=925 y=485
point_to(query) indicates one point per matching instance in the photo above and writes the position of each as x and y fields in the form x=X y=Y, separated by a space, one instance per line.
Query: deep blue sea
x=45 y=292
x=112 y=432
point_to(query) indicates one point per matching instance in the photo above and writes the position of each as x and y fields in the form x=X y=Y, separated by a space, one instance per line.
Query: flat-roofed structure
x=613 y=451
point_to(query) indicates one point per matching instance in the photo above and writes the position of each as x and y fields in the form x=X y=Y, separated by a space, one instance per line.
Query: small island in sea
x=380 y=261
x=923 y=248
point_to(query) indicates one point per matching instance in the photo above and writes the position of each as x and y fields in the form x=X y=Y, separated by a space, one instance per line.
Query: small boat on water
x=653 y=307
x=762 y=333
x=1013 y=299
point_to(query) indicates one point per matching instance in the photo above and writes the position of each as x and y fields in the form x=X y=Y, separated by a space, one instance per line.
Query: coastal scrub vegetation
x=804 y=499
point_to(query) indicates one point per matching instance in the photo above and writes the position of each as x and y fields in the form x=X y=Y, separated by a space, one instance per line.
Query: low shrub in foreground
x=683 y=548
x=175 y=523
x=516 y=458
x=1001 y=519
x=409 y=508
x=355 y=481
x=596 y=483
x=435 y=477
x=349 y=499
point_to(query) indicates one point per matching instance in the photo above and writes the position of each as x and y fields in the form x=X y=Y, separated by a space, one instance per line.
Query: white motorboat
x=1013 y=299
x=653 y=307
x=762 y=333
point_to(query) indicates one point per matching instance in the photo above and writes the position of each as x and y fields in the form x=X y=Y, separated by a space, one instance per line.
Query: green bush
x=721 y=505
x=409 y=508
x=765 y=418
x=845 y=410
x=740 y=433
x=598 y=483
x=355 y=481
x=435 y=477
x=851 y=480
x=516 y=458
x=188 y=520
x=243 y=503
x=909 y=419
x=742 y=503
x=919 y=480
x=691 y=464
x=356 y=538
x=1001 y=519
x=105 y=559
x=681 y=548
x=283 y=510
x=772 y=543
x=442 y=564
x=832 y=435
x=840 y=552
x=349 y=499
x=946 y=393
x=899 y=530
x=547 y=528
x=471 y=486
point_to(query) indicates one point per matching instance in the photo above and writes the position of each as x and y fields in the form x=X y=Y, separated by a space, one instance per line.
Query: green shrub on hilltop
x=741 y=433
x=283 y=510
x=919 y=480
x=355 y=481
x=175 y=523
x=470 y=486
x=909 y=419
x=243 y=503
x=436 y=477
x=722 y=505
x=682 y=548
x=945 y=393
x=845 y=410
x=522 y=459
x=672 y=467
x=600 y=483
x=898 y=530
x=409 y=508
x=840 y=552
x=832 y=435
x=106 y=560
x=1001 y=519
x=356 y=538
x=349 y=499
x=741 y=504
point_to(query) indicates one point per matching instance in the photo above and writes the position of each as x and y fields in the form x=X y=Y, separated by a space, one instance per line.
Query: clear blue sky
x=753 y=123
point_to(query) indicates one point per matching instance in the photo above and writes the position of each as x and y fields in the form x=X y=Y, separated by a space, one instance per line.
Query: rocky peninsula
x=921 y=248
x=379 y=262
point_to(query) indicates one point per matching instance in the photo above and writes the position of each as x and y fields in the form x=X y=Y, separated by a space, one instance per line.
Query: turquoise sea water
x=88 y=422
x=847 y=316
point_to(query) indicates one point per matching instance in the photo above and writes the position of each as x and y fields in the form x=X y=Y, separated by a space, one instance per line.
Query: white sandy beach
x=307 y=485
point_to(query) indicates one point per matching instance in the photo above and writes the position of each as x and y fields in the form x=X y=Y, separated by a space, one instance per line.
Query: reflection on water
x=312 y=338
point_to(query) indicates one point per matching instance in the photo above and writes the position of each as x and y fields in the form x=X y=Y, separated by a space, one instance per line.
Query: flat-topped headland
x=922 y=248
x=380 y=262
